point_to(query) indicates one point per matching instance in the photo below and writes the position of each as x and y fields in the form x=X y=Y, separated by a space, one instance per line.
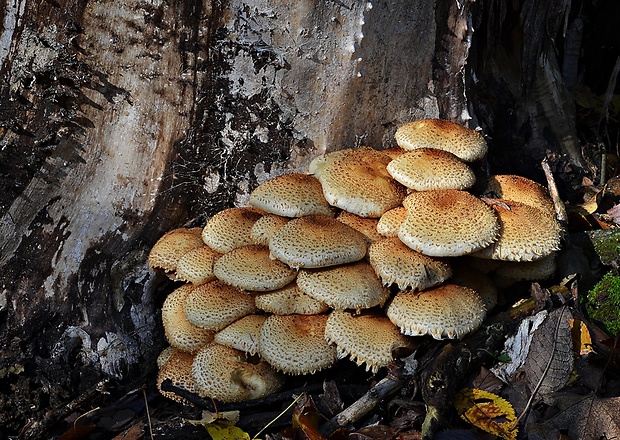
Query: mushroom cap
x=181 y=333
x=427 y=168
x=509 y=272
x=317 y=241
x=291 y=195
x=290 y=300
x=242 y=334
x=215 y=305
x=520 y=189
x=390 y=221
x=265 y=227
x=349 y=286
x=357 y=181
x=367 y=226
x=164 y=355
x=446 y=311
x=230 y=228
x=226 y=374
x=367 y=339
x=250 y=268
x=396 y=264
x=526 y=233
x=447 y=223
x=169 y=249
x=177 y=368
x=466 y=275
x=295 y=344
x=394 y=152
x=196 y=266
x=463 y=142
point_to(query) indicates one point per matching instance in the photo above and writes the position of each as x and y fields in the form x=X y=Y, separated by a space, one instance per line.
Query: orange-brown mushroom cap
x=520 y=189
x=446 y=311
x=465 y=143
x=348 y=286
x=367 y=339
x=196 y=266
x=290 y=300
x=367 y=226
x=242 y=334
x=317 y=241
x=226 y=374
x=172 y=246
x=390 y=221
x=291 y=195
x=447 y=223
x=396 y=264
x=230 y=228
x=295 y=344
x=177 y=368
x=215 y=305
x=265 y=227
x=250 y=268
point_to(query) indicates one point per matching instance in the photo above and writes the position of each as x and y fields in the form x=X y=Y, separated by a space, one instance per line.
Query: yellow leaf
x=487 y=411
x=582 y=342
x=219 y=431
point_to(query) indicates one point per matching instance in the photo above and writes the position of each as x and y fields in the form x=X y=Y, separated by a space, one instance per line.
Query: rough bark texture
x=122 y=121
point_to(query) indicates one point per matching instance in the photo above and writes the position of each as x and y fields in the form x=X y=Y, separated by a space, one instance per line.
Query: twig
x=278 y=416
x=148 y=413
x=560 y=209
x=364 y=405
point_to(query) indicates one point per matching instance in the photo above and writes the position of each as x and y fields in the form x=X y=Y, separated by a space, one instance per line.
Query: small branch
x=560 y=209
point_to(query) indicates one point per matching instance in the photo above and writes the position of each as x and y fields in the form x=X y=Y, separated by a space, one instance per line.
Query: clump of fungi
x=358 y=257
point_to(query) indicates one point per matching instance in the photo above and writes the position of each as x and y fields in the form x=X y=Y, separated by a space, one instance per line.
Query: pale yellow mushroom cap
x=389 y=223
x=181 y=333
x=196 y=266
x=295 y=344
x=169 y=249
x=230 y=228
x=396 y=264
x=520 y=189
x=291 y=195
x=250 y=268
x=177 y=368
x=367 y=226
x=509 y=272
x=468 y=276
x=447 y=223
x=427 y=168
x=369 y=339
x=242 y=334
x=265 y=227
x=349 y=286
x=466 y=144
x=215 y=305
x=226 y=374
x=290 y=300
x=317 y=241
x=446 y=311
x=357 y=181
x=526 y=234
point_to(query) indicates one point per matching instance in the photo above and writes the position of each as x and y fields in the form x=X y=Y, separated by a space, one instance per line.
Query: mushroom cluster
x=354 y=258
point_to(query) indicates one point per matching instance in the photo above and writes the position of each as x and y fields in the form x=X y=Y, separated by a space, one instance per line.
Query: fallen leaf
x=220 y=431
x=582 y=342
x=487 y=411
x=306 y=420
x=588 y=417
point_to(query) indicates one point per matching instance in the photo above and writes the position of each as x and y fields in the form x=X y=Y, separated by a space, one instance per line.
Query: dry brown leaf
x=588 y=417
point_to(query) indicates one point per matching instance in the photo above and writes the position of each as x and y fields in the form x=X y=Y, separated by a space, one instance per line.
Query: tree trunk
x=121 y=121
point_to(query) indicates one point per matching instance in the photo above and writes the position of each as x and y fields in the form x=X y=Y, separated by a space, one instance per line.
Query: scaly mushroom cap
x=177 y=368
x=250 y=268
x=230 y=228
x=358 y=182
x=317 y=241
x=466 y=144
x=165 y=355
x=265 y=227
x=394 y=152
x=526 y=234
x=390 y=221
x=447 y=223
x=366 y=339
x=290 y=300
x=169 y=249
x=227 y=375
x=291 y=195
x=396 y=264
x=295 y=344
x=181 y=333
x=242 y=334
x=520 y=189
x=215 y=305
x=509 y=272
x=196 y=266
x=447 y=311
x=349 y=286
x=427 y=168
x=367 y=226
x=465 y=275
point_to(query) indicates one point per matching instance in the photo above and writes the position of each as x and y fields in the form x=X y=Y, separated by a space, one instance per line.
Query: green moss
x=603 y=303
x=606 y=244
